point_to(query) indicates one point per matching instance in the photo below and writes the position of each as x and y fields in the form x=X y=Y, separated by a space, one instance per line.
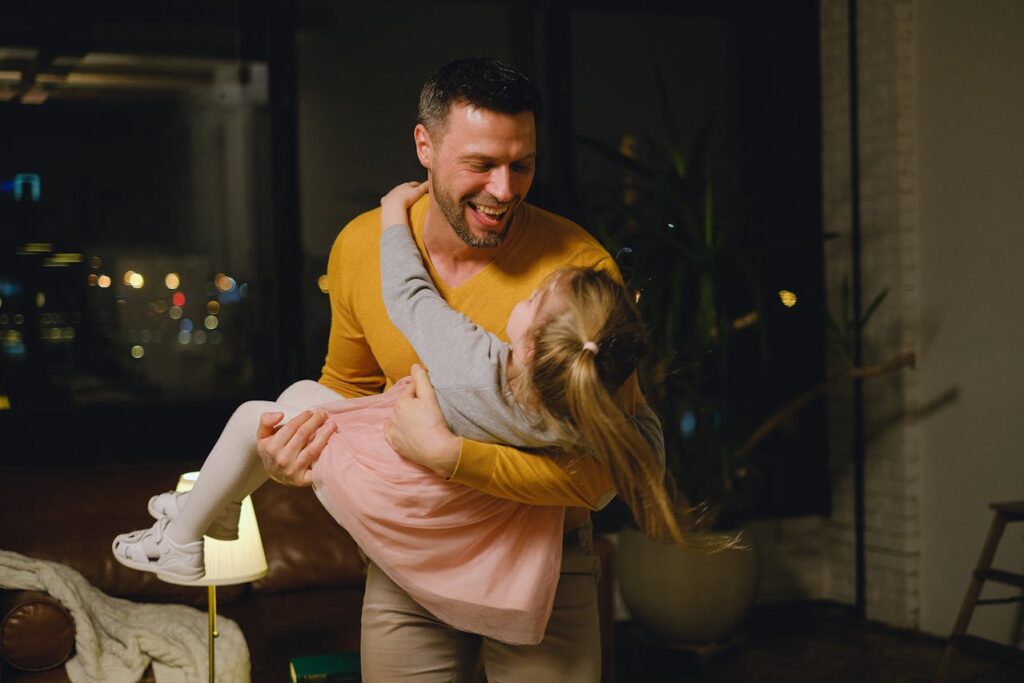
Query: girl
x=479 y=563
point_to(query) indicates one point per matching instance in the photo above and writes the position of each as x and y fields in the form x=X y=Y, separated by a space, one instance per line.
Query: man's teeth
x=489 y=210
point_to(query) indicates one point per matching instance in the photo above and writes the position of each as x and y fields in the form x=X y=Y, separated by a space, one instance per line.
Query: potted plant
x=693 y=270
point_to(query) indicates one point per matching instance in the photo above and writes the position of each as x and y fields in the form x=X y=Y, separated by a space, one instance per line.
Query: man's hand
x=417 y=429
x=289 y=452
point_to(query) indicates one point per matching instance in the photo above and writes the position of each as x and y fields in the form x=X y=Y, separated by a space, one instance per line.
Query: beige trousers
x=401 y=641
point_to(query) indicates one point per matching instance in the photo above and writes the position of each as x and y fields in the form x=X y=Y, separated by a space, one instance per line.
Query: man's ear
x=424 y=145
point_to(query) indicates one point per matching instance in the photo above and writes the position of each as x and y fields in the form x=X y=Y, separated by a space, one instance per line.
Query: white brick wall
x=814 y=558
x=889 y=261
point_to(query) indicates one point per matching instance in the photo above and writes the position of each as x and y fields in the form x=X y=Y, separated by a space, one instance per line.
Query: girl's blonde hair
x=583 y=352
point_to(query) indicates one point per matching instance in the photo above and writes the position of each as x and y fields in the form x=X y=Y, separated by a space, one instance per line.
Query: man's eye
x=479 y=168
x=522 y=168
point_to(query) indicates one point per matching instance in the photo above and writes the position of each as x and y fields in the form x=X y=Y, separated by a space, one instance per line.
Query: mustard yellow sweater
x=366 y=353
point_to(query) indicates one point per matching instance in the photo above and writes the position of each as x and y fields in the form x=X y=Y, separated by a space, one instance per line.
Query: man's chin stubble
x=489 y=241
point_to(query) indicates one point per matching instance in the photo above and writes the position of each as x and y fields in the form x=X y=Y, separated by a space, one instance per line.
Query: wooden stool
x=1005 y=513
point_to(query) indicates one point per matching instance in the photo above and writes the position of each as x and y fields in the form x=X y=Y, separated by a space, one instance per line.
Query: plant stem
x=797 y=404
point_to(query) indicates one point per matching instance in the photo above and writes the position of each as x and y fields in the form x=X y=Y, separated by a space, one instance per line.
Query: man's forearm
x=572 y=480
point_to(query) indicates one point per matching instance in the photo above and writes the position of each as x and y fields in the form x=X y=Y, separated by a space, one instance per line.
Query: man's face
x=481 y=167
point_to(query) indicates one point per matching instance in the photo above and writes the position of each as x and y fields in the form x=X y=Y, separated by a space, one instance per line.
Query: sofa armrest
x=36 y=631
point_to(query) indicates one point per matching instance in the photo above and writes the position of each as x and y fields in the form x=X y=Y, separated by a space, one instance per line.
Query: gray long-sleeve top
x=467 y=363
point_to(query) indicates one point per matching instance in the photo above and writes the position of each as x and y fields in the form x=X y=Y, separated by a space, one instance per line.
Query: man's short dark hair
x=479 y=82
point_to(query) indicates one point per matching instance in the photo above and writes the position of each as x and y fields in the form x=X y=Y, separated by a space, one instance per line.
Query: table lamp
x=228 y=562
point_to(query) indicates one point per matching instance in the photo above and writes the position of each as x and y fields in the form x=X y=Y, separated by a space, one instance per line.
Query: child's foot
x=170 y=504
x=152 y=550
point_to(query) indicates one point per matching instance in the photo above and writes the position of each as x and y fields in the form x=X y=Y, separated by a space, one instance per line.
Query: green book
x=340 y=668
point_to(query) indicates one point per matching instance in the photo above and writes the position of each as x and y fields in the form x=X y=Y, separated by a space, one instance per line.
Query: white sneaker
x=151 y=550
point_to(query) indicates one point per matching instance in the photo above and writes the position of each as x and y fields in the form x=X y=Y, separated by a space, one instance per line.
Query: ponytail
x=582 y=356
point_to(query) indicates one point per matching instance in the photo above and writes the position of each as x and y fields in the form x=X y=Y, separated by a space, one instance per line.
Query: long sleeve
x=350 y=367
x=572 y=479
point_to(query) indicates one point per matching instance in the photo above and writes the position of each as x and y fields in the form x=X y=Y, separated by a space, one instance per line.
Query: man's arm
x=349 y=367
x=418 y=432
x=571 y=479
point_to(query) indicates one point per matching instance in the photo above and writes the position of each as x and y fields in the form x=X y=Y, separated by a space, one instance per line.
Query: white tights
x=233 y=469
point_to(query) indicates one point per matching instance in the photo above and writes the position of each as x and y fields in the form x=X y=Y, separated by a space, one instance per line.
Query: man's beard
x=453 y=212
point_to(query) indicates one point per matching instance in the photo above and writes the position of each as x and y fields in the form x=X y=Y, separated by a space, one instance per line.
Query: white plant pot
x=683 y=597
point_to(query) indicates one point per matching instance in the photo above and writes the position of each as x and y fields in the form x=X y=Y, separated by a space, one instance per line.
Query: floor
x=813 y=643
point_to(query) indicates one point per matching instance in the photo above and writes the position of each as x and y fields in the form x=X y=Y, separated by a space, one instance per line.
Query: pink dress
x=478 y=563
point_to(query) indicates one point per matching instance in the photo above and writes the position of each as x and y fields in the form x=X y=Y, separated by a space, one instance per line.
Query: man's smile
x=487 y=214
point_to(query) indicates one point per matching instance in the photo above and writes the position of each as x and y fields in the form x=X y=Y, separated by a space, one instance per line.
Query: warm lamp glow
x=231 y=562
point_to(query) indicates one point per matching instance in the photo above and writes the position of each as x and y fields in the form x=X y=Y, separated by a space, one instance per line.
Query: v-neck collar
x=417 y=217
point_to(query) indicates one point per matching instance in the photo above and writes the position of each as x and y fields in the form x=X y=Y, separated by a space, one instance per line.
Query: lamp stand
x=211 y=597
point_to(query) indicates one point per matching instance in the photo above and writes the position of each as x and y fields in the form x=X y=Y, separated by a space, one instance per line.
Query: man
x=485 y=249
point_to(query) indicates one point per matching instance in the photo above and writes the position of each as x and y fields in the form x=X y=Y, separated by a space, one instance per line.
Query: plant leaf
x=614 y=155
x=872 y=307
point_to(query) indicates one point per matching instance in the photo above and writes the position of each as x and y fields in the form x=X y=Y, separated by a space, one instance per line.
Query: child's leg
x=233 y=469
x=232 y=464
x=300 y=396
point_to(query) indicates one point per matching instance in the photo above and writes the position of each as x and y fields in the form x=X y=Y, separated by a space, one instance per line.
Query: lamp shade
x=231 y=562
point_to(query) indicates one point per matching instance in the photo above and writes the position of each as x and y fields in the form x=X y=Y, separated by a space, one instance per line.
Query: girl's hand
x=395 y=204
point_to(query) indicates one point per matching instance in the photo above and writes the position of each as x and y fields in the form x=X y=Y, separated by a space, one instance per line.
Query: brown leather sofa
x=309 y=603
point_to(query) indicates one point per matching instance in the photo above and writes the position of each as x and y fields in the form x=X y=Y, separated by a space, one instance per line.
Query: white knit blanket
x=115 y=640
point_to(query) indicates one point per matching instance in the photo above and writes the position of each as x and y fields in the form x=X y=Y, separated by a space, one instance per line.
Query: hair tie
x=590 y=346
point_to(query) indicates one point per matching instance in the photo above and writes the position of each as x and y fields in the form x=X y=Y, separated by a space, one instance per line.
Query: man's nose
x=499 y=185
